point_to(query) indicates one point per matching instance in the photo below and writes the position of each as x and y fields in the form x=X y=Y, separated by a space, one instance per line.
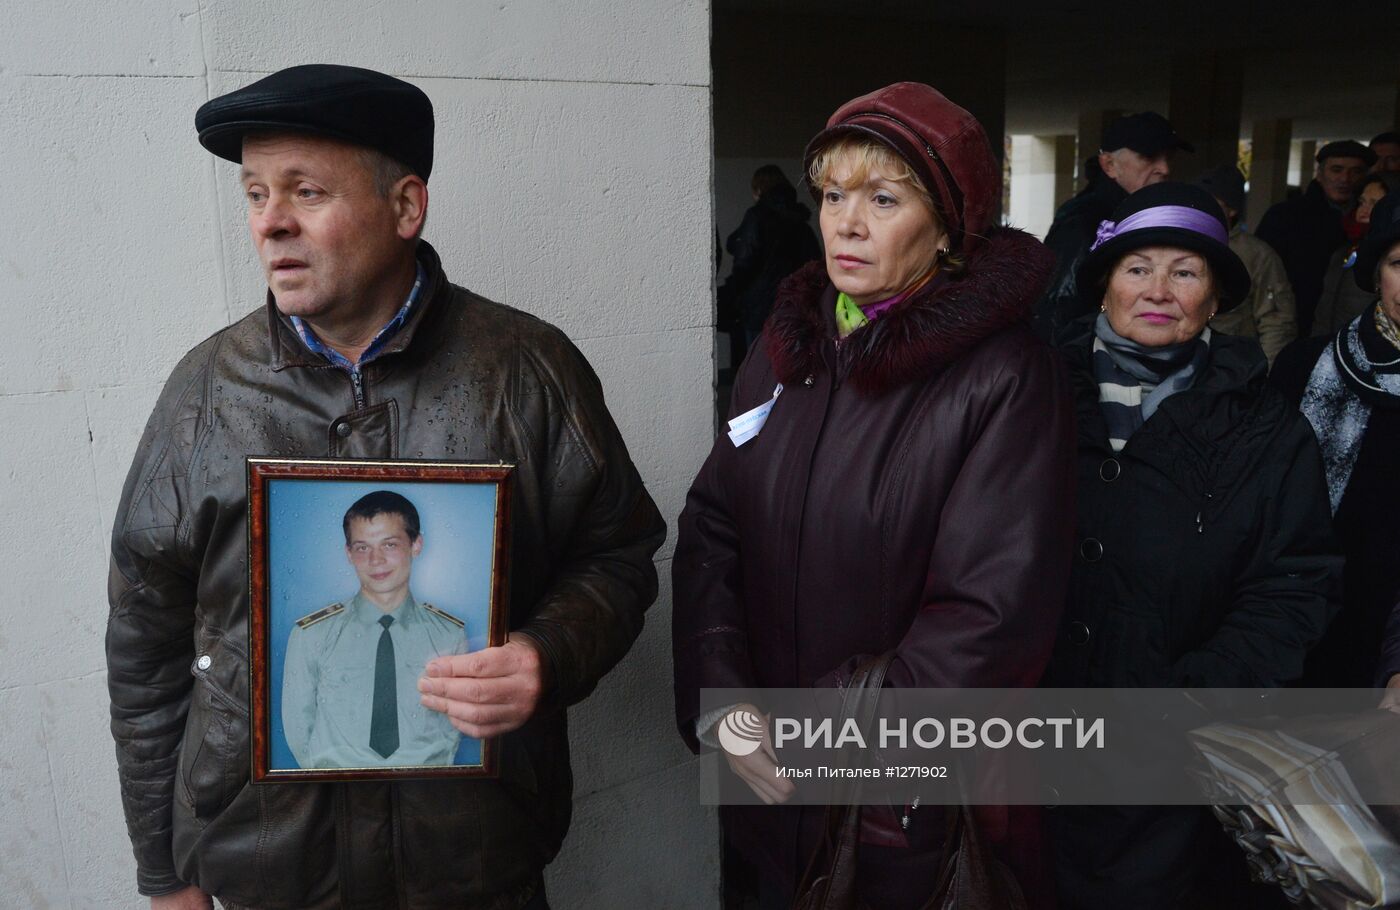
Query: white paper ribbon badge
x=746 y=425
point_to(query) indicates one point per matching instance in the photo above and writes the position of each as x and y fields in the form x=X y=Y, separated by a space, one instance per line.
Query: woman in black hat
x=1204 y=554
x=1348 y=387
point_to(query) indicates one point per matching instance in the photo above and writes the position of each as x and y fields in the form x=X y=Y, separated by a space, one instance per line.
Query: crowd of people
x=1154 y=451
x=961 y=458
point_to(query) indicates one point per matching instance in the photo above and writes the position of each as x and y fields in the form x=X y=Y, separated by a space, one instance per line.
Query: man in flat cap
x=1136 y=150
x=364 y=349
x=1306 y=230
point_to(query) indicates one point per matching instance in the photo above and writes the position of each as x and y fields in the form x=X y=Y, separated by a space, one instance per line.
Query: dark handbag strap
x=829 y=883
x=973 y=878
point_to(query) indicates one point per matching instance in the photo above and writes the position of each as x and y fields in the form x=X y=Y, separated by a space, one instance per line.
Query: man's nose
x=274 y=219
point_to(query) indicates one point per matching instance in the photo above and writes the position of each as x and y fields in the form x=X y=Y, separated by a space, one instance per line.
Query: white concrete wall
x=573 y=179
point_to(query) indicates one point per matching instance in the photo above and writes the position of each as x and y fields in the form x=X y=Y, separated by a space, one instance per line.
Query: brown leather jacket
x=911 y=491
x=468 y=380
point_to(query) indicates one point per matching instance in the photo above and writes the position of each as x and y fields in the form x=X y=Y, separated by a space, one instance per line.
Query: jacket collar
x=286 y=349
x=919 y=337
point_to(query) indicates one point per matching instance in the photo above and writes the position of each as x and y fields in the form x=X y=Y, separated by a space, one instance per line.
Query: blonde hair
x=864 y=155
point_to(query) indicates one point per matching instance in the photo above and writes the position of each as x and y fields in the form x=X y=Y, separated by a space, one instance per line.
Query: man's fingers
x=482 y=731
x=488 y=662
x=494 y=690
x=468 y=711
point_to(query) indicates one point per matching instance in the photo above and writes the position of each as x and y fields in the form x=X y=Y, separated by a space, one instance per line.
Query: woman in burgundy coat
x=911 y=489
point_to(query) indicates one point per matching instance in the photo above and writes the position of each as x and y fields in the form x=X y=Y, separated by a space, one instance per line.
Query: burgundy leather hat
x=944 y=144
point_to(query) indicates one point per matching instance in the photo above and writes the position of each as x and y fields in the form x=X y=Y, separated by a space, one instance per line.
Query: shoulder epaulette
x=445 y=615
x=310 y=619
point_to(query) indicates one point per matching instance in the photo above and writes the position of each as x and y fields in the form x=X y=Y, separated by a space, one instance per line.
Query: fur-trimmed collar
x=919 y=337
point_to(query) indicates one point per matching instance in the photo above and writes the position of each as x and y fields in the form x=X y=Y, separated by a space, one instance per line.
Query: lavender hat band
x=1168 y=216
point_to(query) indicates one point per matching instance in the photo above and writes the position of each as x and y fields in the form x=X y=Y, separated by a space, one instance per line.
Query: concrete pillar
x=1065 y=167
x=1268 y=171
x=1090 y=133
x=1204 y=106
x=1307 y=162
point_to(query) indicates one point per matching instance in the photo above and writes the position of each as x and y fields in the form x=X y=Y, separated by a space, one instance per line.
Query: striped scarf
x=1134 y=378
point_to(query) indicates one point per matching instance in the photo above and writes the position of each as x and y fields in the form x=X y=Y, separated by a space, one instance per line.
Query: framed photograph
x=360 y=572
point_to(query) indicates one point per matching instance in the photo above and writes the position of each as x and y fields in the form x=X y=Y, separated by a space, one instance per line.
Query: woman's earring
x=1103 y=308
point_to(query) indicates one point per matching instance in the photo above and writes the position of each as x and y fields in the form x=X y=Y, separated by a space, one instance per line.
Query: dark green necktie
x=384 y=720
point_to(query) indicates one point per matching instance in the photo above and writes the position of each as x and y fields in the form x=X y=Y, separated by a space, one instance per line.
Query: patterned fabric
x=1302 y=823
x=1135 y=379
x=381 y=338
x=851 y=315
x=1359 y=370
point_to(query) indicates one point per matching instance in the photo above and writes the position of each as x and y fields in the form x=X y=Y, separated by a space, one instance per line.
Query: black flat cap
x=1226 y=183
x=1346 y=148
x=355 y=105
x=1147 y=133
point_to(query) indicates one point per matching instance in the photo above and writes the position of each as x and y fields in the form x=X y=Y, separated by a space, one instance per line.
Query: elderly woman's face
x=880 y=236
x=1160 y=295
x=1389 y=283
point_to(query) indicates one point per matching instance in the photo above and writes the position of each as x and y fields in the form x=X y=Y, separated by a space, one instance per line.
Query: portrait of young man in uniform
x=349 y=684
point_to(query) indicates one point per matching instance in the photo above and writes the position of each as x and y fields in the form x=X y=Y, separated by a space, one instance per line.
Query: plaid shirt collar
x=382 y=338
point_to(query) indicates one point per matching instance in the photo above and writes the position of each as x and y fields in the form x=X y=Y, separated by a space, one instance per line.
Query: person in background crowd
x=1348 y=388
x=1342 y=298
x=1136 y=151
x=1191 y=570
x=1267 y=314
x=907 y=492
x=773 y=241
x=1305 y=231
x=1387 y=148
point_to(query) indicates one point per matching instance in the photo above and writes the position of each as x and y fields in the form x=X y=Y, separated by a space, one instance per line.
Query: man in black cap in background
x=1267 y=314
x=1386 y=147
x=1136 y=150
x=1306 y=230
x=364 y=349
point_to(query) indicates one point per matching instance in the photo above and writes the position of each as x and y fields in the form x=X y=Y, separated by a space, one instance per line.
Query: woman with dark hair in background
x=907 y=492
x=1348 y=388
x=1205 y=556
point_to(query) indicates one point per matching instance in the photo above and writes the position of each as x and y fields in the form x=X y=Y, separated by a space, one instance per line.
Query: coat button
x=1109 y=470
x=205 y=662
x=1091 y=550
x=342 y=429
x=1078 y=633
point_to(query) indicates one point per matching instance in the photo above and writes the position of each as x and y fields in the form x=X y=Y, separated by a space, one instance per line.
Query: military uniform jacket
x=464 y=379
x=328 y=684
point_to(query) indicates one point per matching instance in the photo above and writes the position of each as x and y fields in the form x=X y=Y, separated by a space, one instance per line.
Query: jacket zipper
x=357 y=382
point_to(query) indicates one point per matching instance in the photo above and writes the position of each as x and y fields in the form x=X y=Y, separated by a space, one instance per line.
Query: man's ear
x=410 y=197
x=418 y=546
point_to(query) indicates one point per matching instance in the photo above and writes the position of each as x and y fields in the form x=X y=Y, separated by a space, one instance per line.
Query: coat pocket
x=214 y=760
x=1131 y=650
